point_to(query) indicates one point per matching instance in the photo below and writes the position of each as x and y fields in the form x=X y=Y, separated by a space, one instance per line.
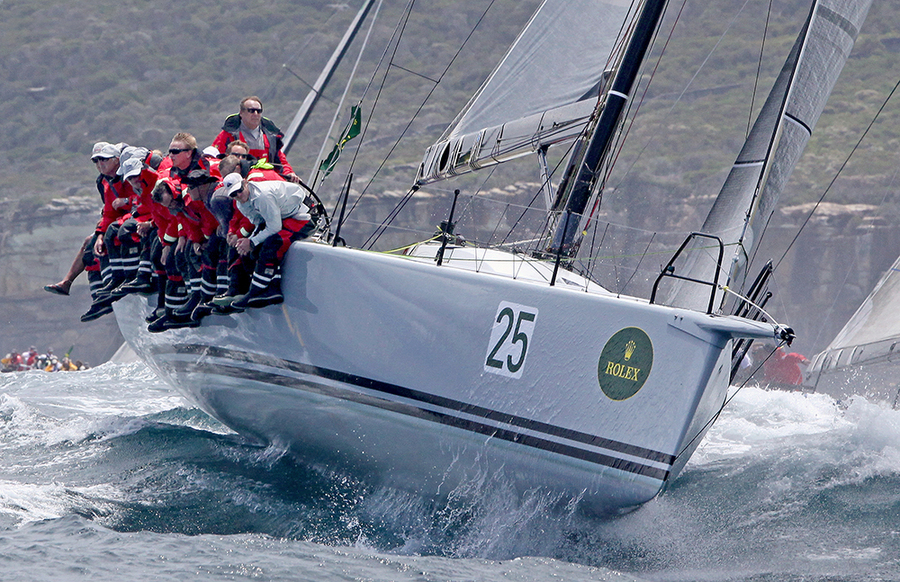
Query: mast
x=578 y=190
x=313 y=96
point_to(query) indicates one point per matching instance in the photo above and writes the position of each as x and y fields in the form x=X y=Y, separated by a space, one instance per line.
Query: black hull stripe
x=430 y=415
x=424 y=397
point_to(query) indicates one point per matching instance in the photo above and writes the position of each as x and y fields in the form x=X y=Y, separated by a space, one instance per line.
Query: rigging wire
x=836 y=175
x=686 y=87
x=395 y=41
x=633 y=110
x=418 y=110
x=340 y=104
x=887 y=192
x=727 y=401
x=762 y=48
x=269 y=93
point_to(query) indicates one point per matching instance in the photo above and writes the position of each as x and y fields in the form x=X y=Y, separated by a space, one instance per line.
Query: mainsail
x=750 y=193
x=542 y=92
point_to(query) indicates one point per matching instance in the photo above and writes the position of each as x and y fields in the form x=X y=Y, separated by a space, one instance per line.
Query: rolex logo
x=625 y=363
x=629 y=350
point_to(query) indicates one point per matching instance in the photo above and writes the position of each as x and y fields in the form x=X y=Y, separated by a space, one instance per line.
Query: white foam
x=28 y=502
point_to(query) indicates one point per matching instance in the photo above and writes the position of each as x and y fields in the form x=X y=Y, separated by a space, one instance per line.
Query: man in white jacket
x=281 y=217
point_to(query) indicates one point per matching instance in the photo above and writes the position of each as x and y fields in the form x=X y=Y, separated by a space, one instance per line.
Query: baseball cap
x=232 y=183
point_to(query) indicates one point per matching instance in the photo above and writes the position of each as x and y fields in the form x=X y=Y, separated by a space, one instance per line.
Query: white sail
x=878 y=318
x=778 y=137
x=862 y=358
x=541 y=93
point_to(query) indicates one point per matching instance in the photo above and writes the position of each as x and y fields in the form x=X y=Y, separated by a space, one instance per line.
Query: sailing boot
x=181 y=316
x=238 y=283
x=208 y=286
x=101 y=304
x=98 y=309
x=136 y=273
x=265 y=289
x=141 y=284
x=176 y=298
x=160 y=310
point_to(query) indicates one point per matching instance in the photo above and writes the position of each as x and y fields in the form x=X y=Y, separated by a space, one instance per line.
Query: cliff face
x=39 y=252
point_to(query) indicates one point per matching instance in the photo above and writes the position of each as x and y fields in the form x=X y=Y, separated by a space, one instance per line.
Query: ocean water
x=107 y=475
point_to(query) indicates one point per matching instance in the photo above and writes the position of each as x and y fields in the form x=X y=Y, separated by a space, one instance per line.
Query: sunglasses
x=243 y=156
x=252 y=110
x=176 y=151
x=235 y=193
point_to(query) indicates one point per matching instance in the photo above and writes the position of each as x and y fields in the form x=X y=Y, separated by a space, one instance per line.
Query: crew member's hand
x=99 y=250
x=292 y=177
x=244 y=246
x=119 y=203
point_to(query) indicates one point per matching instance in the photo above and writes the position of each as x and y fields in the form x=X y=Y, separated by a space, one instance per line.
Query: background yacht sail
x=869 y=337
x=784 y=125
x=542 y=92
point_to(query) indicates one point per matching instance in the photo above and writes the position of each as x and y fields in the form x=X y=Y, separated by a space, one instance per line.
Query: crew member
x=259 y=133
x=280 y=216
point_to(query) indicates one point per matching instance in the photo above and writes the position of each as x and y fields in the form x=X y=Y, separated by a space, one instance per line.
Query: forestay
x=542 y=92
x=750 y=193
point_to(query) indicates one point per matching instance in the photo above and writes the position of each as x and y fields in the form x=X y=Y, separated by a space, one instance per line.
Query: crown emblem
x=629 y=350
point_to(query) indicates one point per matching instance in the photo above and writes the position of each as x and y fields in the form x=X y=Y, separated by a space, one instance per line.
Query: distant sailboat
x=864 y=357
x=426 y=367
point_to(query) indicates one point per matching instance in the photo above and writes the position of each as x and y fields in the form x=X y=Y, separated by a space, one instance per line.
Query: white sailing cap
x=211 y=151
x=131 y=152
x=232 y=183
x=108 y=151
x=131 y=167
x=98 y=147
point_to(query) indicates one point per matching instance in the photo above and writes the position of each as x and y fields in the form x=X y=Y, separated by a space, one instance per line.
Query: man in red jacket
x=63 y=287
x=117 y=200
x=259 y=133
x=782 y=367
x=132 y=246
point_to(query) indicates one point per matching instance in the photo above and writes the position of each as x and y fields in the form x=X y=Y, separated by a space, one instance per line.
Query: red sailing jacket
x=143 y=202
x=176 y=175
x=272 y=136
x=166 y=226
x=114 y=188
x=195 y=221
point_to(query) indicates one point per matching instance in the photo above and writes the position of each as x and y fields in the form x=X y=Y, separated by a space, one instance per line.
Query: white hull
x=869 y=371
x=398 y=367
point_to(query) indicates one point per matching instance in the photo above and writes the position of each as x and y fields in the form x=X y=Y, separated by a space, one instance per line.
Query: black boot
x=140 y=284
x=160 y=300
x=98 y=309
x=188 y=308
x=261 y=296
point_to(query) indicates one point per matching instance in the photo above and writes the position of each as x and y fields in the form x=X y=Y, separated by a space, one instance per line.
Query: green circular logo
x=625 y=363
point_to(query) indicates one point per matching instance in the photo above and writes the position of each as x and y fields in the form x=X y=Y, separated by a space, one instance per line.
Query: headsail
x=779 y=135
x=542 y=92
